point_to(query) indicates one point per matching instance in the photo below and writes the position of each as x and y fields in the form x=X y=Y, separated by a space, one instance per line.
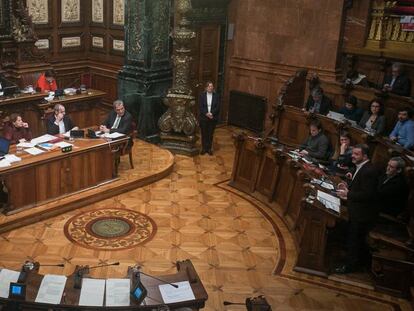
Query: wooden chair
x=127 y=150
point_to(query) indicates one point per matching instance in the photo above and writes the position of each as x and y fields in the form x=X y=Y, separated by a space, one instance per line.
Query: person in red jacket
x=47 y=82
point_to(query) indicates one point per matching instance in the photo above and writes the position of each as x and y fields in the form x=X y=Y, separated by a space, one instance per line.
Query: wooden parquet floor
x=239 y=247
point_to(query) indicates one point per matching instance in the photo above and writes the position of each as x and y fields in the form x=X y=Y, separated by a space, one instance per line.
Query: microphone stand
x=30 y=266
x=85 y=270
x=155 y=278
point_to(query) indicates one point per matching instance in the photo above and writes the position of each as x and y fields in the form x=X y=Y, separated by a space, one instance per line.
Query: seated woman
x=47 y=82
x=373 y=120
x=344 y=162
x=351 y=110
x=317 y=145
x=16 y=130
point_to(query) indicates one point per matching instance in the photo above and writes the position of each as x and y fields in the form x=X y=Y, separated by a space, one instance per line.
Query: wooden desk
x=84 y=109
x=271 y=176
x=70 y=300
x=53 y=174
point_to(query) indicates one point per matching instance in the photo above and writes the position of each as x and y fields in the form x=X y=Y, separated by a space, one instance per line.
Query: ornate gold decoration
x=386 y=26
x=97 y=11
x=178 y=123
x=38 y=10
x=118 y=12
x=70 y=11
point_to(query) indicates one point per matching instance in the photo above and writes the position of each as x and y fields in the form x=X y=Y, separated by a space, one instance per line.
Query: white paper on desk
x=51 y=289
x=25 y=145
x=4 y=163
x=62 y=144
x=12 y=158
x=113 y=135
x=6 y=277
x=329 y=201
x=34 y=151
x=171 y=294
x=42 y=139
x=92 y=292
x=67 y=134
x=117 y=292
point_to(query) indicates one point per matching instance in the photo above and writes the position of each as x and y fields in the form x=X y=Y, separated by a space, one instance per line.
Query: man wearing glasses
x=59 y=123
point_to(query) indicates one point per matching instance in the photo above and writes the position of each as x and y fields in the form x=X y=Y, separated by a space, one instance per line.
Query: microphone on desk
x=153 y=277
x=85 y=269
x=30 y=265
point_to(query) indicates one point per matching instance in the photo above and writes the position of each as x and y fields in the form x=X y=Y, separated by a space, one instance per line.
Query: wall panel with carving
x=81 y=35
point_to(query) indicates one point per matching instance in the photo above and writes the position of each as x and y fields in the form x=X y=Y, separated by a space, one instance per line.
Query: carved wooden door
x=206 y=57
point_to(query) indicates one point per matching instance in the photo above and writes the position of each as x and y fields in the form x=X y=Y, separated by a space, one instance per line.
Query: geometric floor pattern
x=238 y=247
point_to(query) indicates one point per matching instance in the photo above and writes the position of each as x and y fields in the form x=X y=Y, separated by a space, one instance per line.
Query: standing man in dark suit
x=397 y=83
x=59 y=123
x=362 y=206
x=119 y=120
x=209 y=113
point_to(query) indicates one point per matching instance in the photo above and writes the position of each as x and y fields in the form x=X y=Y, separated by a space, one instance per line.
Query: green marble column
x=146 y=75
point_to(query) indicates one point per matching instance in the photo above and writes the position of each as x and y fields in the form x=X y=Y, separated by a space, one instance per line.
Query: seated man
x=403 y=132
x=392 y=188
x=16 y=130
x=59 y=123
x=47 y=82
x=351 y=110
x=318 y=102
x=317 y=145
x=397 y=83
x=119 y=120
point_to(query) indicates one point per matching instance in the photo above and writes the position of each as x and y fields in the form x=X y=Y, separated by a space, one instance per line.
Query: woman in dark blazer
x=373 y=120
x=209 y=109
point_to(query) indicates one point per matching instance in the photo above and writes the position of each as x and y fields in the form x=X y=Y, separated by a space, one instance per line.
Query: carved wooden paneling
x=107 y=82
x=293 y=128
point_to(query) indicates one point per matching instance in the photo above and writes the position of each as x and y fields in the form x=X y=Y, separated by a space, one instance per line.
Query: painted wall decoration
x=97 y=11
x=119 y=12
x=39 y=11
x=118 y=45
x=42 y=44
x=70 y=42
x=70 y=11
x=97 y=42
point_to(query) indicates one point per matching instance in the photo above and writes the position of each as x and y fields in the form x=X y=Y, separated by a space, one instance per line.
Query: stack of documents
x=329 y=201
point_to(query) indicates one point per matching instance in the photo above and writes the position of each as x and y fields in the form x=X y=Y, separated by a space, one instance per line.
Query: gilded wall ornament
x=39 y=11
x=69 y=42
x=118 y=45
x=118 y=12
x=70 y=11
x=97 y=42
x=97 y=11
x=42 y=44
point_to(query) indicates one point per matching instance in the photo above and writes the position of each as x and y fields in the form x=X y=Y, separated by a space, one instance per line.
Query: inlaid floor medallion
x=110 y=229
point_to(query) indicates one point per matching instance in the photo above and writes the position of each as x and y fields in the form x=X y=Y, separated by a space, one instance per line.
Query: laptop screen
x=4 y=146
